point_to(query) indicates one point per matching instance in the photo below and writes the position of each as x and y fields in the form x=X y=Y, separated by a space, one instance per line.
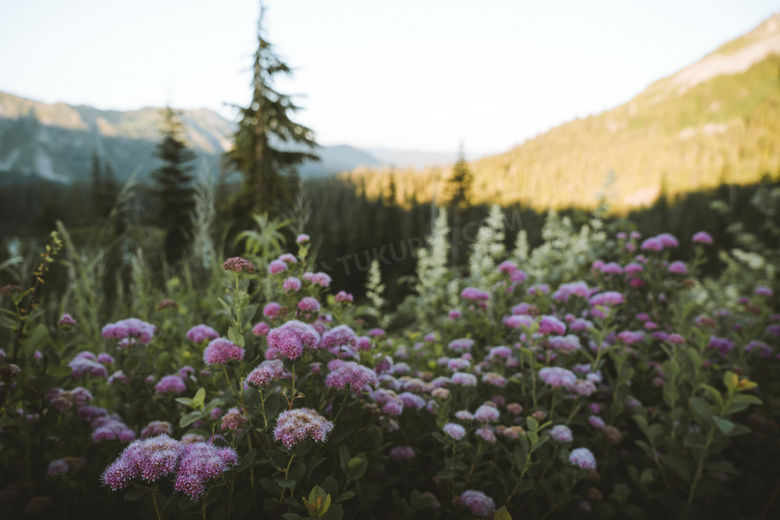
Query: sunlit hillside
x=716 y=120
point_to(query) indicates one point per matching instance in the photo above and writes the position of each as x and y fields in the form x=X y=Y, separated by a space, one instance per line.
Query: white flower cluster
x=488 y=250
x=566 y=253
x=433 y=277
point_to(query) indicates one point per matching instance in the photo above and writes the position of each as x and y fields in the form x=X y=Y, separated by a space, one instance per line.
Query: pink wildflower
x=219 y=351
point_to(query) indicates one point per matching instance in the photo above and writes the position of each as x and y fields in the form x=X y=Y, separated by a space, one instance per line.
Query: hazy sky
x=407 y=74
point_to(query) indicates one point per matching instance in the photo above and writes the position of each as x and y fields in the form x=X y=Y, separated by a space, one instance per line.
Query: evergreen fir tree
x=174 y=191
x=265 y=167
x=457 y=196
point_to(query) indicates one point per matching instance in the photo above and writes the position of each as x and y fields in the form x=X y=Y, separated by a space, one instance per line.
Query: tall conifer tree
x=457 y=196
x=174 y=190
x=264 y=127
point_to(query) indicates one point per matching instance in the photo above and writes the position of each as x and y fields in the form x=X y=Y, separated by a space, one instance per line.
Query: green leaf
x=502 y=514
x=740 y=402
x=739 y=429
x=346 y=495
x=724 y=425
x=344 y=457
x=186 y=401
x=189 y=419
x=282 y=483
x=677 y=465
x=273 y=403
x=235 y=336
x=694 y=356
x=713 y=392
x=336 y=512
x=654 y=431
x=671 y=369
x=246 y=460
x=694 y=440
x=357 y=468
x=702 y=409
x=200 y=396
x=731 y=380
x=136 y=494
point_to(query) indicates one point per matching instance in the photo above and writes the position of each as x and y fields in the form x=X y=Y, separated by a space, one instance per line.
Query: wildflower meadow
x=596 y=376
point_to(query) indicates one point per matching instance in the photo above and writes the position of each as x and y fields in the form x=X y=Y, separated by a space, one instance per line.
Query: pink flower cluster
x=200 y=333
x=561 y=433
x=474 y=294
x=66 y=321
x=239 y=265
x=129 y=331
x=321 y=279
x=607 y=298
x=233 y=420
x=266 y=372
x=261 y=329
x=343 y=297
x=337 y=337
x=295 y=425
x=479 y=503
x=290 y=339
x=109 y=427
x=309 y=304
x=219 y=351
x=151 y=459
x=199 y=463
x=291 y=284
x=349 y=373
x=62 y=400
x=277 y=266
x=172 y=384
x=456 y=431
x=402 y=453
x=461 y=344
x=155 y=428
x=85 y=364
x=557 y=377
x=660 y=242
x=551 y=325
x=583 y=458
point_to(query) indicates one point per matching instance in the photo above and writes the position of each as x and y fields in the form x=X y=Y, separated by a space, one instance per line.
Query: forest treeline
x=348 y=226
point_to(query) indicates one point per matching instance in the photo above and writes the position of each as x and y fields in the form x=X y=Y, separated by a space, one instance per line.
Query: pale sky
x=406 y=74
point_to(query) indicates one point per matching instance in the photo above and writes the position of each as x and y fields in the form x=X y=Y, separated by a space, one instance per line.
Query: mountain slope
x=56 y=141
x=716 y=120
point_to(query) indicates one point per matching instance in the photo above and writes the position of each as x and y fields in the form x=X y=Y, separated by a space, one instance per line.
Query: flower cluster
x=151 y=459
x=295 y=425
x=239 y=265
x=129 y=331
x=290 y=339
x=201 y=333
x=219 y=351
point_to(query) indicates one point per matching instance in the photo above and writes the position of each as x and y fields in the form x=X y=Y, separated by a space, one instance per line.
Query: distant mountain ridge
x=56 y=141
